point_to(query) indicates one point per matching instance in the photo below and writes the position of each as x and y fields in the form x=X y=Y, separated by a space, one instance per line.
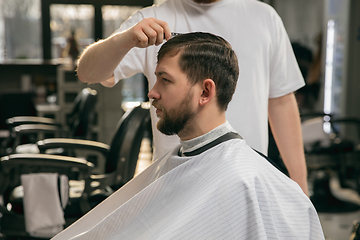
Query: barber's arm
x=98 y=61
x=285 y=124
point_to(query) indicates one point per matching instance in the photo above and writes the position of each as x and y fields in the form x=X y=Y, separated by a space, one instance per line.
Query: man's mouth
x=158 y=108
x=158 y=112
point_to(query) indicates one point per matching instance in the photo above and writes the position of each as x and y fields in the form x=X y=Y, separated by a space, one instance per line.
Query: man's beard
x=175 y=119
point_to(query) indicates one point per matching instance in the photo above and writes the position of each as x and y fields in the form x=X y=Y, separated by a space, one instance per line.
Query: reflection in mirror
x=72 y=28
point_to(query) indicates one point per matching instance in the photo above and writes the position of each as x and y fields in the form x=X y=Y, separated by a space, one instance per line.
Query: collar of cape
x=226 y=137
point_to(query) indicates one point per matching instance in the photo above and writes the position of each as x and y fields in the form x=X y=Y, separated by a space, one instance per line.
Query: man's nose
x=153 y=94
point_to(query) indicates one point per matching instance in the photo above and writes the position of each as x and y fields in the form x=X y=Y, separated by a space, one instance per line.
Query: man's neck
x=203 y=122
x=196 y=143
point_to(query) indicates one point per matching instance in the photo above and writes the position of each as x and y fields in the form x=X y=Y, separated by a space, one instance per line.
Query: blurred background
x=40 y=41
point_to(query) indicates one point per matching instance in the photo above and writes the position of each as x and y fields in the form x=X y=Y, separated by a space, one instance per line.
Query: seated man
x=212 y=186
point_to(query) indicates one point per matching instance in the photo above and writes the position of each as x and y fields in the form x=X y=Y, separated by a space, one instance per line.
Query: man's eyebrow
x=159 y=73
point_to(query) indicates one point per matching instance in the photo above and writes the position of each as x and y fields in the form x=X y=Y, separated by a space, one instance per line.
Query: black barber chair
x=336 y=161
x=12 y=220
x=122 y=154
x=121 y=160
x=14 y=103
x=340 y=156
x=78 y=124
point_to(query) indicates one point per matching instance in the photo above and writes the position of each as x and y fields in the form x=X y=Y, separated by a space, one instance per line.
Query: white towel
x=44 y=215
x=27 y=148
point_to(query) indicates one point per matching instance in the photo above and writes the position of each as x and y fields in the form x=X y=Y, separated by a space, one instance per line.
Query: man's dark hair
x=206 y=56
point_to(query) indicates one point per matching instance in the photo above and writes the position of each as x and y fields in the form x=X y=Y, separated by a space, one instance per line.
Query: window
x=20 y=29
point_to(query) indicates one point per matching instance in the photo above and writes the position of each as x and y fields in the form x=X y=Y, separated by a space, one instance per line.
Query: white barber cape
x=226 y=192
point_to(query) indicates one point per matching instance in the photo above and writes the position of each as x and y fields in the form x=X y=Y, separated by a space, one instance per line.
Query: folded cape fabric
x=43 y=207
x=226 y=192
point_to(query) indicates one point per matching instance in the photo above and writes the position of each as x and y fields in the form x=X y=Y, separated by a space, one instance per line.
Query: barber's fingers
x=160 y=33
x=151 y=31
x=166 y=29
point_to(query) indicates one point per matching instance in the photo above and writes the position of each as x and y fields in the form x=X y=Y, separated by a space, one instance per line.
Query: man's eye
x=166 y=80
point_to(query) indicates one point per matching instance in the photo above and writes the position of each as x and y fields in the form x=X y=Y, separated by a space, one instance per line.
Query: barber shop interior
x=67 y=144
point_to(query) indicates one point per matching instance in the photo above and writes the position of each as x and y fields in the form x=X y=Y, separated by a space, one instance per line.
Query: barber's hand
x=149 y=31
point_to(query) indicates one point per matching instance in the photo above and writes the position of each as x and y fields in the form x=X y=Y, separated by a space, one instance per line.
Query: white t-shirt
x=268 y=68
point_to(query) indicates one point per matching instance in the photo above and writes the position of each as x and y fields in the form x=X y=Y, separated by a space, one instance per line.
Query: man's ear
x=208 y=91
